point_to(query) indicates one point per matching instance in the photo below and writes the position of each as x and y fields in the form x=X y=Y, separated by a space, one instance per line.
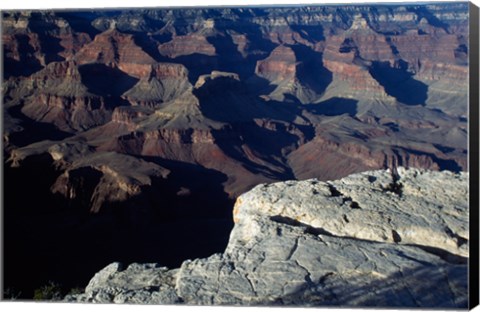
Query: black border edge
x=2 y=224
x=473 y=150
x=474 y=156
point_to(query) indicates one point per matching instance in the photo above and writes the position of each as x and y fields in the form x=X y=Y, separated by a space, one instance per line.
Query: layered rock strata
x=221 y=99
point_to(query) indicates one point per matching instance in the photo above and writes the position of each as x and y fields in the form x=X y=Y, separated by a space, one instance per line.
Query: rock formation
x=187 y=45
x=166 y=116
x=111 y=47
x=96 y=179
x=378 y=238
x=58 y=95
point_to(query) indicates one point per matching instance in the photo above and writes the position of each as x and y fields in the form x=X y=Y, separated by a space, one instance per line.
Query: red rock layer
x=451 y=73
x=169 y=70
x=187 y=45
x=279 y=65
x=23 y=47
x=114 y=48
x=327 y=159
x=415 y=48
x=355 y=79
x=72 y=43
x=193 y=146
x=59 y=97
x=370 y=45
x=129 y=115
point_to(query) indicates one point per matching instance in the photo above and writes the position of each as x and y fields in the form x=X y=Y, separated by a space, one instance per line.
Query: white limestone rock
x=138 y=283
x=432 y=209
x=371 y=239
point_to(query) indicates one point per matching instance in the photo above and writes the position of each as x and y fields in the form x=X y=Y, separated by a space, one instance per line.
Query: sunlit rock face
x=378 y=238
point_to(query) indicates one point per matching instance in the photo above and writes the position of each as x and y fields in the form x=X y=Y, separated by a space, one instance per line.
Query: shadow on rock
x=334 y=107
x=425 y=286
x=49 y=238
x=398 y=82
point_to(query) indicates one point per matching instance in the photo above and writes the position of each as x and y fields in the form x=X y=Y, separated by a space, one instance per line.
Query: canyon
x=122 y=128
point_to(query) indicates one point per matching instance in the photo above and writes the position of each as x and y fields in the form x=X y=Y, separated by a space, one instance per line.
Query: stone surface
x=138 y=283
x=376 y=238
x=419 y=210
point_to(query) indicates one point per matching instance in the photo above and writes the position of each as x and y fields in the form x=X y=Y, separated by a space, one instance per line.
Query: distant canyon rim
x=128 y=134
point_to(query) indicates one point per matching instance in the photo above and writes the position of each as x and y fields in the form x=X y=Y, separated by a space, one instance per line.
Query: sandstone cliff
x=377 y=238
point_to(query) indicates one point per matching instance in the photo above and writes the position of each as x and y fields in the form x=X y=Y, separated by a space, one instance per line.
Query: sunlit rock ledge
x=379 y=238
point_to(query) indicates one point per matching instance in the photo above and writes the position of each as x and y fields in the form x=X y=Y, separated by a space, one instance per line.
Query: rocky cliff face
x=402 y=64
x=57 y=95
x=221 y=99
x=377 y=238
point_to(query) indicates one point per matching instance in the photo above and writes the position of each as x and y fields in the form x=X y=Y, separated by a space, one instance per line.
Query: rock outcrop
x=94 y=180
x=103 y=111
x=187 y=45
x=112 y=47
x=165 y=82
x=57 y=95
x=380 y=238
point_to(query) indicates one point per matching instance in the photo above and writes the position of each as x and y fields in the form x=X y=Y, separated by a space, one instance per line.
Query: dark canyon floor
x=128 y=134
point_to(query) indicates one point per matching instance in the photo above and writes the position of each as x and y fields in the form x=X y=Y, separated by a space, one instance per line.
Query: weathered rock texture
x=168 y=115
x=377 y=238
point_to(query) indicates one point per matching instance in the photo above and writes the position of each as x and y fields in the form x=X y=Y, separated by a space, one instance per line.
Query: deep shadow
x=105 y=81
x=49 y=238
x=260 y=86
x=227 y=57
x=392 y=46
x=81 y=21
x=33 y=131
x=348 y=45
x=334 y=107
x=204 y=189
x=149 y=44
x=443 y=164
x=444 y=149
x=227 y=100
x=392 y=126
x=422 y=11
x=197 y=64
x=28 y=63
x=461 y=54
x=398 y=82
x=307 y=228
x=51 y=47
x=311 y=71
x=231 y=59
x=162 y=38
x=311 y=33
x=114 y=101
x=268 y=146
x=26 y=67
